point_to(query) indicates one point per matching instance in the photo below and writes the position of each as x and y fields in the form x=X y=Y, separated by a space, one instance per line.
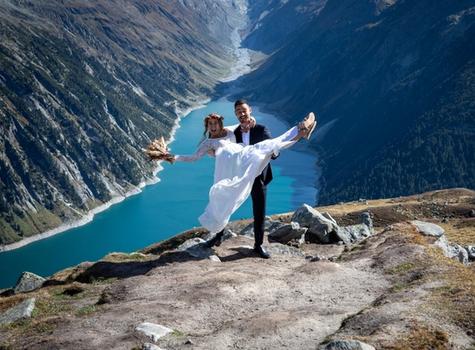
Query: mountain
x=392 y=83
x=84 y=86
x=273 y=22
x=393 y=290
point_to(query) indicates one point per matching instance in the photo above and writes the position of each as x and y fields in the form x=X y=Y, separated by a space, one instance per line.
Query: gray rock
x=329 y=217
x=197 y=249
x=288 y=232
x=214 y=258
x=190 y=243
x=153 y=331
x=227 y=235
x=18 y=312
x=443 y=244
x=150 y=346
x=269 y=226
x=347 y=345
x=282 y=249
x=353 y=233
x=28 y=282
x=453 y=251
x=471 y=252
x=428 y=229
x=319 y=227
x=460 y=253
x=367 y=220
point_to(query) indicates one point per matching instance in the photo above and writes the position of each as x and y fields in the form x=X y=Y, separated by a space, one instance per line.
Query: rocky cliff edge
x=402 y=280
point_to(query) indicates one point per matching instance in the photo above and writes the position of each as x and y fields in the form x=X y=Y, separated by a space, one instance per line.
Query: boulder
x=470 y=252
x=197 y=249
x=18 y=312
x=346 y=345
x=269 y=226
x=190 y=243
x=428 y=228
x=355 y=233
x=227 y=235
x=153 y=331
x=319 y=227
x=28 y=282
x=460 y=253
x=287 y=233
x=453 y=251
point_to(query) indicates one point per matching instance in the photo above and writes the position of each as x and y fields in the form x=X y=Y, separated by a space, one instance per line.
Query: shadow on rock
x=105 y=269
x=241 y=253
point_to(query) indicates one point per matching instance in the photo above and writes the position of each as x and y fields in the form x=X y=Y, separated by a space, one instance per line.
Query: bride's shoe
x=308 y=125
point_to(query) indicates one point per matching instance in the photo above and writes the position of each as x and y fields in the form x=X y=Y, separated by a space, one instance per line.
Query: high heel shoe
x=308 y=125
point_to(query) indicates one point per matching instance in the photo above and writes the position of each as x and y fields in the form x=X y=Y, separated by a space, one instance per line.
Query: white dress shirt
x=245 y=137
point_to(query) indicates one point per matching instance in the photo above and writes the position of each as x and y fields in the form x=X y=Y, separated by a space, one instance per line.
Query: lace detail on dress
x=207 y=145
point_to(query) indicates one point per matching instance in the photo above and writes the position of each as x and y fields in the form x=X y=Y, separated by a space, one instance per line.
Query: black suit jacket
x=257 y=134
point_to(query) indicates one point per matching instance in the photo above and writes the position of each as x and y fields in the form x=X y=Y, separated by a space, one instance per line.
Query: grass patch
x=459 y=232
x=456 y=297
x=49 y=307
x=86 y=310
x=123 y=257
x=401 y=268
x=423 y=337
x=177 y=333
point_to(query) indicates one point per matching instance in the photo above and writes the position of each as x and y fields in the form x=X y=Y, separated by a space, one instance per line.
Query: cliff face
x=392 y=83
x=83 y=86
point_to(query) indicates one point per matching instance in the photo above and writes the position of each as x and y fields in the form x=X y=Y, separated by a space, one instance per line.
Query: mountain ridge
x=373 y=73
x=84 y=87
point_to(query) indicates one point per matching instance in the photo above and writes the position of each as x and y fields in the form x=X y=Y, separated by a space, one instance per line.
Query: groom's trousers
x=258 y=195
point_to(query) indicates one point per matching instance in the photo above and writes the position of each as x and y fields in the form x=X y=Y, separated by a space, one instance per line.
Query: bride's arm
x=203 y=148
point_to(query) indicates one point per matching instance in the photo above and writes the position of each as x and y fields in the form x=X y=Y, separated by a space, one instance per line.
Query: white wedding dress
x=235 y=169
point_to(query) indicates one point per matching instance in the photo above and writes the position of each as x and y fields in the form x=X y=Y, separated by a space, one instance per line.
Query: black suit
x=258 y=193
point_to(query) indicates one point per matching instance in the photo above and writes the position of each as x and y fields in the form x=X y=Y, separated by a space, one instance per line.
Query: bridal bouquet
x=157 y=150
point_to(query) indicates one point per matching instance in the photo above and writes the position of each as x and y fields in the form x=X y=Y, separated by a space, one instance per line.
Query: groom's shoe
x=261 y=252
x=215 y=241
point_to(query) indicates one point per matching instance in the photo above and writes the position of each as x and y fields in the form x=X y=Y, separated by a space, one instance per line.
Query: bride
x=236 y=165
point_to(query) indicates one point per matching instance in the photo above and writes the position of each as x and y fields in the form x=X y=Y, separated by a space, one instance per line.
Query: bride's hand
x=169 y=158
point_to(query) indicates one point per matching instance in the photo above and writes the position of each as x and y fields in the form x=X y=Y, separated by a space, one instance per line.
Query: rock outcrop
x=390 y=290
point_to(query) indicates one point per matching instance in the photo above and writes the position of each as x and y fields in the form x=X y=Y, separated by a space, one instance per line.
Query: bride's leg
x=290 y=135
x=302 y=130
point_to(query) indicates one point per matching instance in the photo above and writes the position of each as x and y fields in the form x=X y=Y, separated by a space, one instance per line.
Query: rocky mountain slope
x=84 y=86
x=391 y=288
x=392 y=83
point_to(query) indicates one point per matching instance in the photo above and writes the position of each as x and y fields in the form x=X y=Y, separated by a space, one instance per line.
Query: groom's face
x=243 y=113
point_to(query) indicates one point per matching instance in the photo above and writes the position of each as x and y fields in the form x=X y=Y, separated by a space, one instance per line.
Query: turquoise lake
x=168 y=207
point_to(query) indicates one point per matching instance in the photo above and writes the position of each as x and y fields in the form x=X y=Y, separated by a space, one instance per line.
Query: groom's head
x=243 y=111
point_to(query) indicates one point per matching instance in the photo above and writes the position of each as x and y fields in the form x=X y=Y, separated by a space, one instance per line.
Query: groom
x=250 y=133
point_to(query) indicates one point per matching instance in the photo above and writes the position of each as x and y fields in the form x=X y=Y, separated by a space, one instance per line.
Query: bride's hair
x=212 y=116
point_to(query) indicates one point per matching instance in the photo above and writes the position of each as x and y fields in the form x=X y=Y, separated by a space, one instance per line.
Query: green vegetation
x=86 y=310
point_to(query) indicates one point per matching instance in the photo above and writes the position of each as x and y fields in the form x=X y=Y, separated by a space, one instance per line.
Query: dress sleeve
x=203 y=148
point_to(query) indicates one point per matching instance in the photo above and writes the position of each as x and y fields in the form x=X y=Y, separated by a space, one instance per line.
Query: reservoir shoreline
x=241 y=66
